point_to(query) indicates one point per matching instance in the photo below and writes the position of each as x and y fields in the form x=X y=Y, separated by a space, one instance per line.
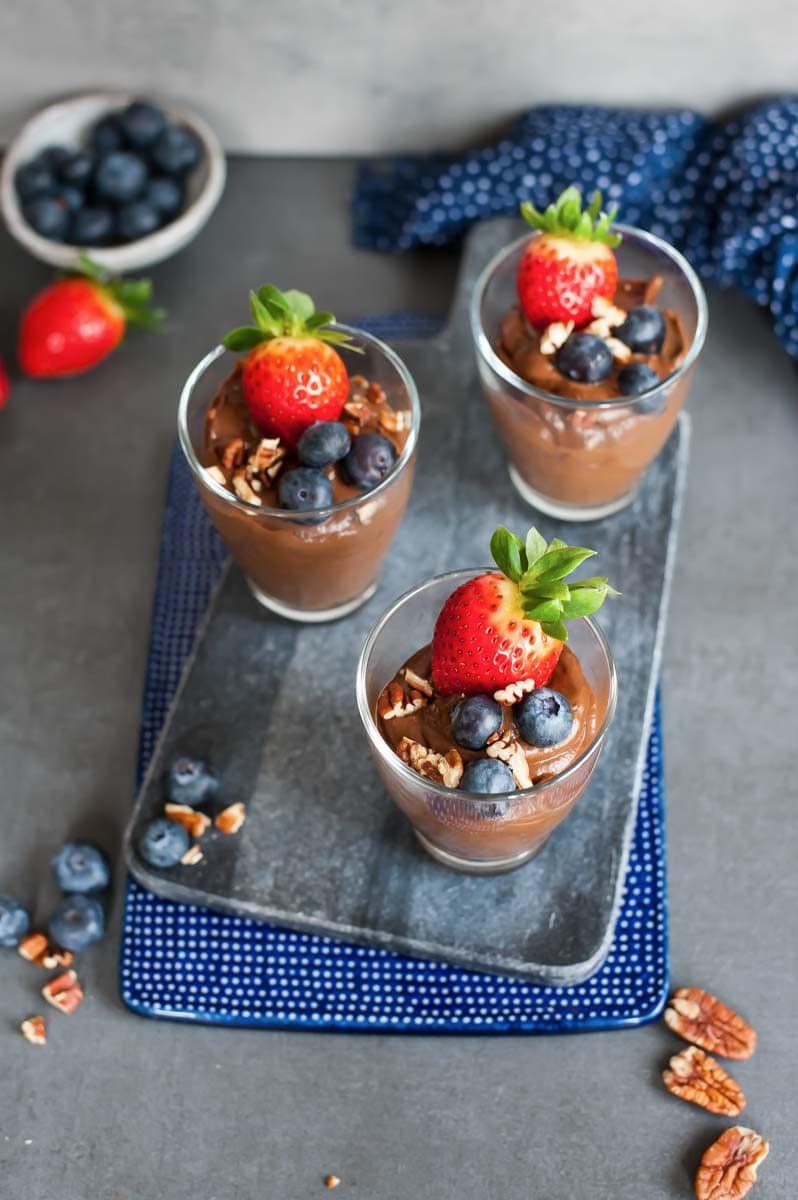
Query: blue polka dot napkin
x=724 y=192
x=193 y=964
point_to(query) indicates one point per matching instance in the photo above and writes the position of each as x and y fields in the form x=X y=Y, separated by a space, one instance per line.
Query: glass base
x=314 y=616
x=490 y=866
x=569 y=512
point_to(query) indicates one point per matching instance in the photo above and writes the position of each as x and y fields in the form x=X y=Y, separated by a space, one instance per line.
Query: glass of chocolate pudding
x=578 y=451
x=477 y=833
x=317 y=564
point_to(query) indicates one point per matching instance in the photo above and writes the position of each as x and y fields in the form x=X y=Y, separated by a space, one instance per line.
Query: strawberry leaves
x=566 y=218
x=284 y=314
x=134 y=296
x=539 y=569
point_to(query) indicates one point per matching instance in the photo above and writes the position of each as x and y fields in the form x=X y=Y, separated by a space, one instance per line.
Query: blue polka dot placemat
x=194 y=964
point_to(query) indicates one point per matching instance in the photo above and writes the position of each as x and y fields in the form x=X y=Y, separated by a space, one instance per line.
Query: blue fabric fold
x=724 y=192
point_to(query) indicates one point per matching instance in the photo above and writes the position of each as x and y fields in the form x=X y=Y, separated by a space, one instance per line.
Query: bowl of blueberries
x=128 y=181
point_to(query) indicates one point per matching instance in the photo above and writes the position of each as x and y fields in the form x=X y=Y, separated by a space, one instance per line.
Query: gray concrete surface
x=370 y=76
x=119 y=1108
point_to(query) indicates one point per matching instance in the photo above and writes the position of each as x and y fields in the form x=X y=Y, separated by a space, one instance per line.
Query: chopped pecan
x=54 y=957
x=192 y=856
x=514 y=691
x=619 y=350
x=417 y=682
x=728 y=1167
x=331 y=1181
x=604 y=310
x=366 y=511
x=34 y=1031
x=216 y=474
x=233 y=454
x=358 y=385
x=701 y=1018
x=391 y=421
x=511 y=752
x=64 y=992
x=197 y=823
x=441 y=768
x=231 y=819
x=359 y=413
x=692 y=1075
x=243 y=490
x=33 y=946
x=600 y=327
x=376 y=393
x=267 y=456
x=555 y=335
x=392 y=701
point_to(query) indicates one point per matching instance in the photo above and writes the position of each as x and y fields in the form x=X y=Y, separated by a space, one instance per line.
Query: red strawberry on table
x=509 y=625
x=292 y=375
x=80 y=319
x=570 y=263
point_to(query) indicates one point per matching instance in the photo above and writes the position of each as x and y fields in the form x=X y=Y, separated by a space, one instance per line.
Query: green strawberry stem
x=132 y=295
x=567 y=218
x=284 y=314
x=539 y=569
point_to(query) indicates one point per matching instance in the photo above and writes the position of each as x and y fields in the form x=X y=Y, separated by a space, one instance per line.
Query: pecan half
x=701 y=1018
x=231 y=819
x=728 y=1167
x=393 y=702
x=196 y=823
x=233 y=454
x=514 y=691
x=441 y=768
x=692 y=1075
x=331 y=1181
x=64 y=992
x=34 y=1031
x=511 y=752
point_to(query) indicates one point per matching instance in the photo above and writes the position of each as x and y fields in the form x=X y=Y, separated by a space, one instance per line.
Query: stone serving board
x=271 y=705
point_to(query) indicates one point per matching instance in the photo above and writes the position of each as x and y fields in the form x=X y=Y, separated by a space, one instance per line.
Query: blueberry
x=72 y=197
x=544 y=717
x=488 y=775
x=54 y=156
x=14 y=922
x=191 y=781
x=303 y=488
x=77 y=922
x=165 y=195
x=177 y=151
x=34 y=179
x=81 y=867
x=635 y=378
x=137 y=220
x=92 y=227
x=49 y=216
x=142 y=124
x=643 y=330
x=77 y=169
x=107 y=135
x=474 y=720
x=371 y=458
x=584 y=358
x=323 y=443
x=163 y=843
x=120 y=176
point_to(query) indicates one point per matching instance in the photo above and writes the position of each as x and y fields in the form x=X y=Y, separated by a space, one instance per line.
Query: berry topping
x=81 y=867
x=292 y=375
x=92 y=227
x=34 y=179
x=636 y=378
x=165 y=195
x=323 y=444
x=54 y=156
x=371 y=458
x=107 y=135
x=191 y=781
x=489 y=776
x=76 y=169
x=14 y=922
x=643 y=330
x=77 y=922
x=584 y=358
x=304 y=488
x=570 y=262
x=163 y=843
x=137 y=219
x=544 y=717
x=502 y=627
x=177 y=151
x=474 y=720
x=71 y=197
x=142 y=124
x=120 y=176
x=48 y=216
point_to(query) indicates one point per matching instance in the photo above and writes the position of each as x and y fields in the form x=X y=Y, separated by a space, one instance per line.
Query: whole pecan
x=728 y=1167
x=701 y=1018
x=692 y=1075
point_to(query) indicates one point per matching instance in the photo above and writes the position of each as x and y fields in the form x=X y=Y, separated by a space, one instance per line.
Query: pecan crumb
x=359 y=413
x=231 y=818
x=392 y=701
x=33 y=946
x=604 y=310
x=513 y=692
x=34 y=1031
x=446 y=769
x=619 y=350
x=366 y=511
x=267 y=454
x=56 y=957
x=418 y=682
x=242 y=489
x=233 y=454
x=692 y=1075
x=555 y=335
x=728 y=1167
x=701 y=1018
x=196 y=823
x=64 y=992
x=392 y=421
x=192 y=856
x=216 y=474
x=331 y=1181
x=376 y=393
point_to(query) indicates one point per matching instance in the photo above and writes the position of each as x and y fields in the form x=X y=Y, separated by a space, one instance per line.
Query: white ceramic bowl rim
x=411 y=777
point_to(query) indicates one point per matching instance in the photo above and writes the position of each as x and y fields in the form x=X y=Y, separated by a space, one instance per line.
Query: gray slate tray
x=271 y=704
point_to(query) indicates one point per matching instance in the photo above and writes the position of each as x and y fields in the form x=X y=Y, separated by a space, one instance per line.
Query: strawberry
x=570 y=262
x=292 y=375
x=79 y=320
x=509 y=625
x=5 y=386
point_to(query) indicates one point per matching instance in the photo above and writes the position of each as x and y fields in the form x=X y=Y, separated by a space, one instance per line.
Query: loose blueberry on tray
x=163 y=843
x=544 y=717
x=191 y=781
x=77 y=922
x=488 y=775
x=14 y=922
x=369 y=461
x=585 y=358
x=474 y=720
x=81 y=867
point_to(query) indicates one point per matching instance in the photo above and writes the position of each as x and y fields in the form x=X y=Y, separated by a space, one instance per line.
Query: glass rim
x=489 y=355
x=283 y=514
x=478 y=799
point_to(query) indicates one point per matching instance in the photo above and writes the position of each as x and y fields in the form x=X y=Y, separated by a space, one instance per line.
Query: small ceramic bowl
x=67 y=122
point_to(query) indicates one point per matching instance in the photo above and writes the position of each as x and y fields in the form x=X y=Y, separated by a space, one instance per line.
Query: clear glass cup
x=569 y=459
x=324 y=563
x=470 y=832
